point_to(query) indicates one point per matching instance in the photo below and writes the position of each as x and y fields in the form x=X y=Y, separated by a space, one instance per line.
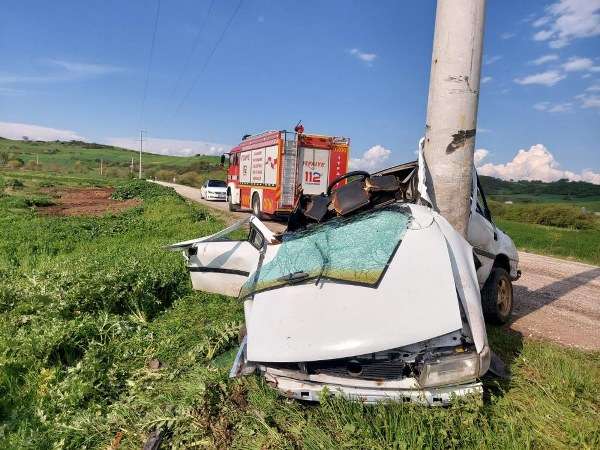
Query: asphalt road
x=555 y=299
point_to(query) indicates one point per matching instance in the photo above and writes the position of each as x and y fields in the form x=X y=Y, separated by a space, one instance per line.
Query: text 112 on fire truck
x=267 y=171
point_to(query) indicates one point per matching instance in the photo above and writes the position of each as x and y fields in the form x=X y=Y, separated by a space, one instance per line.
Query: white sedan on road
x=214 y=190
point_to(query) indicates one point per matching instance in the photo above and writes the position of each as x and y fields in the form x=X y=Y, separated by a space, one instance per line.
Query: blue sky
x=353 y=68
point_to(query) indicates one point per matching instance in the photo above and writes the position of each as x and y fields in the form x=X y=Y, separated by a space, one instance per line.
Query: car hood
x=216 y=189
x=417 y=299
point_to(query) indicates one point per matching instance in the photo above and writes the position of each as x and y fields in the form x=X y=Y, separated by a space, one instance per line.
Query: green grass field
x=89 y=305
x=580 y=245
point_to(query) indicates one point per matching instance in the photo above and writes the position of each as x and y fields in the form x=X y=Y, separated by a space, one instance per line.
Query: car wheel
x=256 y=206
x=497 y=297
x=232 y=207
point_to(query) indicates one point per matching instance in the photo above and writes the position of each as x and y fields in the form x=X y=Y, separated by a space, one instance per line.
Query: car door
x=221 y=265
x=482 y=233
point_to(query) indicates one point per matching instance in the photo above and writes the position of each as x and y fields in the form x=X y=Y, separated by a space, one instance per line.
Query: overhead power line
x=195 y=46
x=152 y=44
x=210 y=55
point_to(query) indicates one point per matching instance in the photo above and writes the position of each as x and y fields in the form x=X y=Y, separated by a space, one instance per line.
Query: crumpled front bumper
x=312 y=390
x=302 y=386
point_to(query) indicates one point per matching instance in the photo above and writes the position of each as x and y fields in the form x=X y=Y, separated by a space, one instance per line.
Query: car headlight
x=451 y=369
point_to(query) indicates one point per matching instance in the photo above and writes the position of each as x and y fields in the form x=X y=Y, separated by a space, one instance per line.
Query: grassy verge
x=102 y=341
x=582 y=245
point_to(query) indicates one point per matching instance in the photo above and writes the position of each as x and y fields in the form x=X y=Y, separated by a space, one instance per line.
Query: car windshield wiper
x=293 y=277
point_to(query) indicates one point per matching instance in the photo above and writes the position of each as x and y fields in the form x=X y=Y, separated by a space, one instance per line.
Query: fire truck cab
x=267 y=172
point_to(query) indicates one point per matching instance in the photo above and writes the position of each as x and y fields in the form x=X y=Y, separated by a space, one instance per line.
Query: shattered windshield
x=354 y=249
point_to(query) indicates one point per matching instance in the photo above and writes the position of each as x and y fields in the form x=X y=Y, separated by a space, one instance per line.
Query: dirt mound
x=85 y=202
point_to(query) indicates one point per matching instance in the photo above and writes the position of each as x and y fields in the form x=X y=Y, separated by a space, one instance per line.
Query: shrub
x=555 y=215
x=166 y=175
x=190 y=179
x=39 y=201
x=141 y=189
x=32 y=165
x=15 y=183
x=15 y=163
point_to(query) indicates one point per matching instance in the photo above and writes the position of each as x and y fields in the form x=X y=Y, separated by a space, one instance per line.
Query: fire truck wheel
x=256 y=206
x=232 y=207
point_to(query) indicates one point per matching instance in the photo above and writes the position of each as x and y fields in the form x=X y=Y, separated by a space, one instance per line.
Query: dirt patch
x=84 y=202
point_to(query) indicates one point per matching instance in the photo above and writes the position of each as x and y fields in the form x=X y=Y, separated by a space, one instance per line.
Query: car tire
x=256 y=206
x=497 y=297
x=232 y=207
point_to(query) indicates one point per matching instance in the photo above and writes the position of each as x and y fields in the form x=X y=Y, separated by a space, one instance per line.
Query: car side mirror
x=222 y=160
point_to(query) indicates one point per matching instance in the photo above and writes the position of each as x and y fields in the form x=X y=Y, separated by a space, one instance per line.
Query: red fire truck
x=267 y=171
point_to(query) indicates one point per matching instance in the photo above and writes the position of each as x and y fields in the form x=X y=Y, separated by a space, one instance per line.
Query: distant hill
x=85 y=158
x=539 y=190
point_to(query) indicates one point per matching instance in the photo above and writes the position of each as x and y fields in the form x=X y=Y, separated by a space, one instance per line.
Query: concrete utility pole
x=452 y=107
x=141 y=149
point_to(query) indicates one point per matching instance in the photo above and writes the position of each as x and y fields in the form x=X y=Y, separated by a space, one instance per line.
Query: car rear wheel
x=256 y=206
x=497 y=297
x=232 y=207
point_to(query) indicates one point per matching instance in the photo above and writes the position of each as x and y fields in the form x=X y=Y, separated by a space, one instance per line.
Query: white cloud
x=548 y=78
x=567 y=20
x=507 y=35
x=177 y=147
x=13 y=130
x=58 y=70
x=561 y=107
x=371 y=160
x=544 y=59
x=491 y=59
x=593 y=88
x=537 y=163
x=541 y=21
x=542 y=35
x=366 y=57
x=479 y=155
x=589 y=101
x=576 y=64
x=553 y=107
x=85 y=69
x=486 y=79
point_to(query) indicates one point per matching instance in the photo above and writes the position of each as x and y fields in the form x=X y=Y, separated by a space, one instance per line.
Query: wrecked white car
x=368 y=294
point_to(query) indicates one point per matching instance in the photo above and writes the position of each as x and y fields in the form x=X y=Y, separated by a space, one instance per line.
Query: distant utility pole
x=452 y=107
x=131 y=166
x=101 y=161
x=141 y=150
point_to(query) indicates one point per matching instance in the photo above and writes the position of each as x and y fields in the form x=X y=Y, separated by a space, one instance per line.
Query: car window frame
x=486 y=210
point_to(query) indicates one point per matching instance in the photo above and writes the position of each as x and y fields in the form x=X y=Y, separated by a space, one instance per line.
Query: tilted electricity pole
x=452 y=107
